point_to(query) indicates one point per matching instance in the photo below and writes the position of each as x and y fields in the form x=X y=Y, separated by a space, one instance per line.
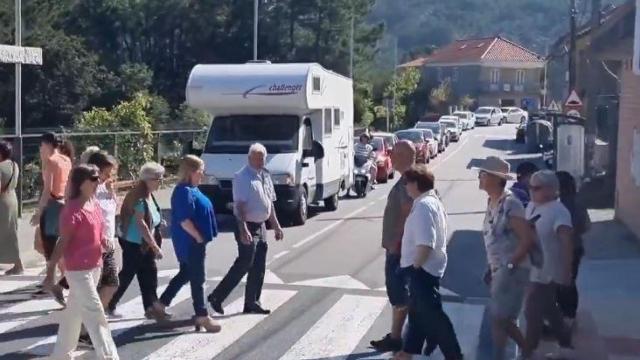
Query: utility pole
x=256 y=9
x=573 y=12
x=18 y=99
x=351 y=44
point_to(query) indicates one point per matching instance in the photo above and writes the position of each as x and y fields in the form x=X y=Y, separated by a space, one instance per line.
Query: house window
x=336 y=118
x=520 y=77
x=328 y=122
x=439 y=73
x=495 y=76
x=317 y=84
x=454 y=74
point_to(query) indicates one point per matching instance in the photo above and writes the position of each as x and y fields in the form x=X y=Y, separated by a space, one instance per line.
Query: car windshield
x=428 y=134
x=413 y=136
x=377 y=143
x=450 y=124
x=461 y=115
x=483 y=111
x=433 y=126
x=505 y=109
x=234 y=134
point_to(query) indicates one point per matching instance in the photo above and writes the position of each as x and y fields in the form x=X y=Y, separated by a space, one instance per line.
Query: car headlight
x=282 y=179
x=209 y=180
x=360 y=172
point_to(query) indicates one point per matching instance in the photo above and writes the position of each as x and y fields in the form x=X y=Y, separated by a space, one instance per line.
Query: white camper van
x=302 y=114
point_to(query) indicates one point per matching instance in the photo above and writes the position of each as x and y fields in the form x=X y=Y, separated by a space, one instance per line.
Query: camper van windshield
x=234 y=134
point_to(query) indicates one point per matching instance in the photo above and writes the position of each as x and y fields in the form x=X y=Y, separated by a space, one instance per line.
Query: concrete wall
x=628 y=174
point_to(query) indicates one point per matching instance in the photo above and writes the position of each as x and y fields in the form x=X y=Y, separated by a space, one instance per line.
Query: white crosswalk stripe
x=330 y=337
x=335 y=333
x=206 y=346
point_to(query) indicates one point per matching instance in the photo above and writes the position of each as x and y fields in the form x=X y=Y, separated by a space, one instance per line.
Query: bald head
x=403 y=155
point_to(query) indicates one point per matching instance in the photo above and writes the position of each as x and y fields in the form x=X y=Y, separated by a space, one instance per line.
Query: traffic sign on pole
x=554 y=106
x=573 y=100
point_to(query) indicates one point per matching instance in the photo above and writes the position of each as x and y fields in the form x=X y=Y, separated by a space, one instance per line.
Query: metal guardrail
x=168 y=147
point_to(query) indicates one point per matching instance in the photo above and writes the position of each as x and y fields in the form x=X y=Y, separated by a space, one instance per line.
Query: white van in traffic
x=302 y=114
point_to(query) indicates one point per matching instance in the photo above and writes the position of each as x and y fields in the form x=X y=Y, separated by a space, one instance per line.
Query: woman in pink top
x=81 y=245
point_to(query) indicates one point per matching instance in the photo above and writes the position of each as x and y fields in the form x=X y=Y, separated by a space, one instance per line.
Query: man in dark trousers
x=253 y=197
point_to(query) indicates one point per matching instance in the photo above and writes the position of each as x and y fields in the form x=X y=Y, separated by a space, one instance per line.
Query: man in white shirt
x=364 y=150
x=424 y=259
x=553 y=226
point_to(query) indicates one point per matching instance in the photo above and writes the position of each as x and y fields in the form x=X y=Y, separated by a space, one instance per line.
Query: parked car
x=515 y=115
x=453 y=118
x=488 y=115
x=439 y=132
x=416 y=136
x=468 y=119
x=383 y=159
x=454 y=130
x=390 y=139
x=432 y=142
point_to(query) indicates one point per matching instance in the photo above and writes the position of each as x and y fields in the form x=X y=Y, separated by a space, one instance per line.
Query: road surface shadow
x=466 y=264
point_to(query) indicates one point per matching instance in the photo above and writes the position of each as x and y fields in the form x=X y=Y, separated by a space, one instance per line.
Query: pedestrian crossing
x=335 y=323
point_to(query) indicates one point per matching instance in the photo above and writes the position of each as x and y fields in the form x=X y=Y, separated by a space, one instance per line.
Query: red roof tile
x=478 y=50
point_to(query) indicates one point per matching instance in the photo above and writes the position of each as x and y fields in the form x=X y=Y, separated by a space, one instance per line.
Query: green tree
x=440 y=97
x=400 y=88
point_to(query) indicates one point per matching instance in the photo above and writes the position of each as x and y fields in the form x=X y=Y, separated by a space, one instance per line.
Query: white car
x=488 y=115
x=453 y=127
x=468 y=119
x=515 y=115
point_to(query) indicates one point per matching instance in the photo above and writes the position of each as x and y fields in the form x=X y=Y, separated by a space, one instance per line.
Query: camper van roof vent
x=258 y=62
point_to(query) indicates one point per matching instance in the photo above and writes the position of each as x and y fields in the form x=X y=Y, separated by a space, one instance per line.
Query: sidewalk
x=608 y=284
x=26 y=232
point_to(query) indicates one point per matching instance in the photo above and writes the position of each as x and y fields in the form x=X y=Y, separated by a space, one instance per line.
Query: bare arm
x=526 y=238
x=405 y=210
x=145 y=231
x=273 y=218
x=422 y=254
x=47 y=178
x=66 y=232
x=565 y=234
x=190 y=228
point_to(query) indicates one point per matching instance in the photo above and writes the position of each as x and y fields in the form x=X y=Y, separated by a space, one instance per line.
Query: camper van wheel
x=301 y=213
x=331 y=203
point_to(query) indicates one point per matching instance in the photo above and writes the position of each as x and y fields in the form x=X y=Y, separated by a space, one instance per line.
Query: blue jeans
x=192 y=272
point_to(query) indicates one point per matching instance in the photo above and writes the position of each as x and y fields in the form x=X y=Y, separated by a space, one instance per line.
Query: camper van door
x=308 y=164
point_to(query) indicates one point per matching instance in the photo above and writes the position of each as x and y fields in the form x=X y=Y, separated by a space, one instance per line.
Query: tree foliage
x=401 y=86
x=440 y=97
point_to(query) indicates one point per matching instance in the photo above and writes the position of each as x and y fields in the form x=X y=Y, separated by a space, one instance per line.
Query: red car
x=383 y=159
x=417 y=137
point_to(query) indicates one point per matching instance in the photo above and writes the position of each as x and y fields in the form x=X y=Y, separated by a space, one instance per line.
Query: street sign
x=636 y=42
x=573 y=100
x=554 y=106
x=20 y=55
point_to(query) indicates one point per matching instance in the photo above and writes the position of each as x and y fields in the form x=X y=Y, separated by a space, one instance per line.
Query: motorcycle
x=362 y=181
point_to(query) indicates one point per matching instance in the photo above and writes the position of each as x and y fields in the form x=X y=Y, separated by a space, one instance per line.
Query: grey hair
x=257 y=148
x=151 y=170
x=546 y=178
x=86 y=154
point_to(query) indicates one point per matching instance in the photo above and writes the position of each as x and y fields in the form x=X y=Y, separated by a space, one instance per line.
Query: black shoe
x=387 y=344
x=215 y=304
x=255 y=309
x=85 y=340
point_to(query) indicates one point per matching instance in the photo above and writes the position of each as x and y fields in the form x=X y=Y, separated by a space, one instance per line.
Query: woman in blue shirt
x=193 y=226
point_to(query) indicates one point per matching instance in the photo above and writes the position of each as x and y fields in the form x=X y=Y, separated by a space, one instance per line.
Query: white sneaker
x=563 y=353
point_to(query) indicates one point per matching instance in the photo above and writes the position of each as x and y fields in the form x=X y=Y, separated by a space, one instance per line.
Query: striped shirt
x=363 y=150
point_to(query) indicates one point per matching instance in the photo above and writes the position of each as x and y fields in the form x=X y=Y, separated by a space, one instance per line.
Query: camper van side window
x=336 y=118
x=317 y=84
x=328 y=122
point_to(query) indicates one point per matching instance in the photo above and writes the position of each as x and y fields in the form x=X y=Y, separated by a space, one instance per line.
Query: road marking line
x=201 y=346
x=13 y=285
x=277 y=256
x=32 y=306
x=309 y=238
x=330 y=338
x=132 y=316
x=340 y=282
x=466 y=140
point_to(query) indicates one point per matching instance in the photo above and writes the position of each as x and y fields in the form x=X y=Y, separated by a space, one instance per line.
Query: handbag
x=157 y=234
x=6 y=186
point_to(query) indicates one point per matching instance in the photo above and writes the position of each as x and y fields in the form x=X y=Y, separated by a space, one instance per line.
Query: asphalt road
x=324 y=282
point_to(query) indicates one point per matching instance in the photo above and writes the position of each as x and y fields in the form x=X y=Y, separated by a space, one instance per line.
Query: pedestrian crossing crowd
x=531 y=232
